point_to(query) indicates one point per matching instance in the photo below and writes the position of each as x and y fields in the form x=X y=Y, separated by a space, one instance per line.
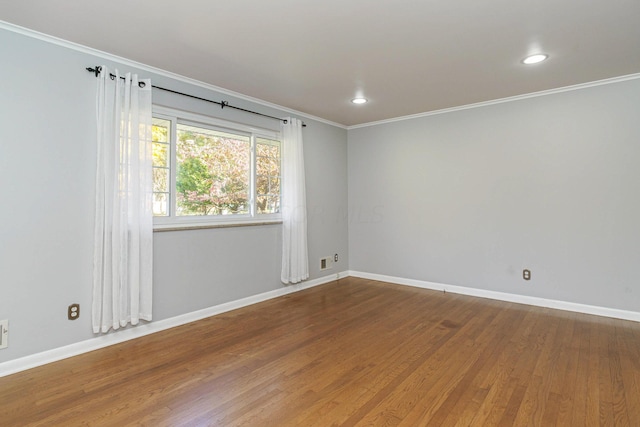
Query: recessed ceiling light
x=359 y=100
x=534 y=59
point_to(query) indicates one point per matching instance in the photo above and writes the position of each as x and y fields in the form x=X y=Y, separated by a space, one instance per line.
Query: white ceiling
x=405 y=56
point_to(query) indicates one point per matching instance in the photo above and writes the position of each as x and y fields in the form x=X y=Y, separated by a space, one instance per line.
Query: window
x=209 y=171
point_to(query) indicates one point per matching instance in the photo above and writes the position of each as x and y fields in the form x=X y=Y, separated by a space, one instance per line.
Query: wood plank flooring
x=350 y=353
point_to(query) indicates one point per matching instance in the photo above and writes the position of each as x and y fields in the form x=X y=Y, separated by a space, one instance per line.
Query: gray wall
x=47 y=168
x=473 y=197
x=467 y=198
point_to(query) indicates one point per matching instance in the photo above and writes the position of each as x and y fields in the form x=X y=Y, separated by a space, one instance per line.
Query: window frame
x=172 y=221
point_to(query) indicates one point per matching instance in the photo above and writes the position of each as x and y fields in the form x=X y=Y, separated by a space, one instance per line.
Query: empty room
x=305 y=213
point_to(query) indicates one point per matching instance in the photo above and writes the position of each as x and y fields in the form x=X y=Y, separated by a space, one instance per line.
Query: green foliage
x=267 y=176
x=193 y=184
x=160 y=130
x=213 y=172
x=160 y=137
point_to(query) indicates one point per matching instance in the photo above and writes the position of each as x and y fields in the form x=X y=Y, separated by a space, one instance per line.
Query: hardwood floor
x=349 y=353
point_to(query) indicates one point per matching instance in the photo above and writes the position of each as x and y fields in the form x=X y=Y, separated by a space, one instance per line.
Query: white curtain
x=295 y=261
x=122 y=265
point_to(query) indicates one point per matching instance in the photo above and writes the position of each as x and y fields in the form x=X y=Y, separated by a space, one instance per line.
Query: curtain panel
x=122 y=268
x=295 y=261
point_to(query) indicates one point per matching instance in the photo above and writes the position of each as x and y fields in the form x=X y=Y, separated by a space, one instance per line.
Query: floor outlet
x=4 y=334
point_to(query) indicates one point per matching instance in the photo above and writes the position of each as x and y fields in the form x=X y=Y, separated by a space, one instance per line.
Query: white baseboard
x=32 y=361
x=39 y=359
x=503 y=296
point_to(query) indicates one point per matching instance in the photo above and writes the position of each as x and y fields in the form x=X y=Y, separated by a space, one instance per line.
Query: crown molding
x=502 y=100
x=128 y=62
x=91 y=51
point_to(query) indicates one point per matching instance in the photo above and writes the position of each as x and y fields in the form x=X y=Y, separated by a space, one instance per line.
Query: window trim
x=173 y=222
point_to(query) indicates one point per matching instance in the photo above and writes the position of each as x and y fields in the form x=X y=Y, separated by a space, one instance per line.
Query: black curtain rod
x=98 y=69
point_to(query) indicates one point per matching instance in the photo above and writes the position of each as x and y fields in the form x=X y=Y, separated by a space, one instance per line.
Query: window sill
x=207 y=225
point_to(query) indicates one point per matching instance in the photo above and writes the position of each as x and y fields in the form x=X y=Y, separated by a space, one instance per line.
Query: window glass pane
x=160 y=130
x=274 y=166
x=262 y=184
x=265 y=149
x=160 y=204
x=160 y=180
x=268 y=146
x=268 y=204
x=262 y=167
x=261 y=149
x=267 y=176
x=261 y=204
x=160 y=154
x=213 y=170
x=267 y=166
x=202 y=170
x=274 y=152
x=274 y=184
x=274 y=203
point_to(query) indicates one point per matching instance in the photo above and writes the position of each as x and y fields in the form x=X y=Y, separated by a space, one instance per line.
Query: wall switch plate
x=4 y=334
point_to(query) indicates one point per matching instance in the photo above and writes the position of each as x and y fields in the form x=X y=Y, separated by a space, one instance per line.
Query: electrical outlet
x=526 y=274
x=4 y=334
x=335 y=257
x=73 y=312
